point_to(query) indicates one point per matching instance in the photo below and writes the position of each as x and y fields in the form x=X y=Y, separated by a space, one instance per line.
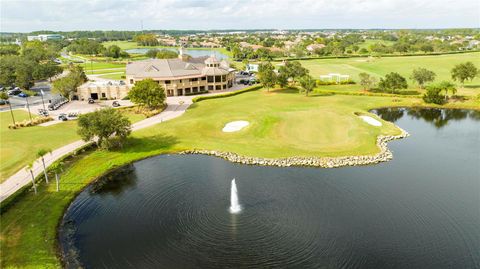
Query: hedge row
x=367 y=55
x=367 y=94
x=228 y=94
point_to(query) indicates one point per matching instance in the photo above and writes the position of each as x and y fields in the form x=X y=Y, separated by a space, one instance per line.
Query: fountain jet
x=234 y=206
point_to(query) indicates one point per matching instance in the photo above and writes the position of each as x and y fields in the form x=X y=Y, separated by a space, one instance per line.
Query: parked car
x=14 y=92
x=122 y=82
x=63 y=117
x=43 y=112
x=22 y=94
x=73 y=114
x=4 y=102
x=115 y=104
x=91 y=101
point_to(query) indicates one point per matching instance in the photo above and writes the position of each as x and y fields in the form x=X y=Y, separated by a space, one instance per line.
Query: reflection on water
x=419 y=210
x=115 y=182
x=438 y=117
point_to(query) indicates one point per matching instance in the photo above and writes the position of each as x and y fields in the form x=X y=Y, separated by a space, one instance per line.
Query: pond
x=192 y=52
x=420 y=210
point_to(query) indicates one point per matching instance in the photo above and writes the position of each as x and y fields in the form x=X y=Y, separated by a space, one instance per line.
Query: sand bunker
x=235 y=126
x=371 y=121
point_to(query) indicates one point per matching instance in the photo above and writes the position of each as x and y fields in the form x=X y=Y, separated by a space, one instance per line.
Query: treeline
x=94 y=47
x=35 y=60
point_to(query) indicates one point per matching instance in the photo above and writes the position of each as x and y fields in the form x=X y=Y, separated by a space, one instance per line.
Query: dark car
x=4 y=102
x=22 y=94
x=63 y=117
x=115 y=104
x=91 y=101
x=14 y=92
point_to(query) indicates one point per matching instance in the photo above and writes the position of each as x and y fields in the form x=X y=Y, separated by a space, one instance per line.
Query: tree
x=4 y=96
x=422 y=76
x=147 y=93
x=447 y=86
x=267 y=75
x=433 y=95
x=57 y=168
x=282 y=79
x=464 y=71
x=29 y=168
x=24 y=74
x=293 y=69
x=68 y=85
x=115 y=51
x=392 y=82
x=166 y=54
x=108 y=126
x=40 y=154
x=366 y=80
x=152 y=53
x=308 y=83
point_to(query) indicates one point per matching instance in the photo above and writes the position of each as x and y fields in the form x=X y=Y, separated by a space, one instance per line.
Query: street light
x=42 y=99
x=28 y=107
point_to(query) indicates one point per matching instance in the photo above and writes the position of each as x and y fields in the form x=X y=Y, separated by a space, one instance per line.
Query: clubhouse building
x=180 y=76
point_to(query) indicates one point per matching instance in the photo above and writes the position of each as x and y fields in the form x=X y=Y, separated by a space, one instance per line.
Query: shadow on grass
x=472 y=86
x=150 y=143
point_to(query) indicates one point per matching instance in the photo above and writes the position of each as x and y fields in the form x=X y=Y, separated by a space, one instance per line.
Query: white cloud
x=28 y=15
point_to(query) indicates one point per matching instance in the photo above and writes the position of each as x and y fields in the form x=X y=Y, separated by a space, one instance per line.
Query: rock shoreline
x=326 y=162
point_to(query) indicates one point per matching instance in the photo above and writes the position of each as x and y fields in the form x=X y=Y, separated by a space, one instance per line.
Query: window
x=204 y=78
x=167 y=81
x=195 y=89
x=224 y=78
x=131 y=81
x=218 y=87
x=218 y=78
x=210 y=88
x=194 y=79
x=202 y=88
x=103 y=95
x=210 y=78
x=224 y=87
x=187 y=90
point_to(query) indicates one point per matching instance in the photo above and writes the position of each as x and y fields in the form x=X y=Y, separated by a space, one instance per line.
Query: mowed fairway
x=440 y=64
x=283 y=123
x=19 y=147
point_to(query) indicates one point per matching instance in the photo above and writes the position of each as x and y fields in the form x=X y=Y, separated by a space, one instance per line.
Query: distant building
x=313 y=47
x=44 y=37
x=251 y=68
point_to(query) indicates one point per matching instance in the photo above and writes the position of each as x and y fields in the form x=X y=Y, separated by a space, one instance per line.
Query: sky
x=67 y=15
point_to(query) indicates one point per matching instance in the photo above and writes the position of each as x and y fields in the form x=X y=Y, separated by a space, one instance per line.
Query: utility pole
x=28 y=107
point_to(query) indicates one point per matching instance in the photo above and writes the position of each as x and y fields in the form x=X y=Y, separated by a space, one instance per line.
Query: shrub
x=28 y=123
x=248 y=89
x=433 y=95
x=347 y=82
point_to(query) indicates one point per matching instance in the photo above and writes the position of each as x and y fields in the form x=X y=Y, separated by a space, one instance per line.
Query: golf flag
x=42 y=92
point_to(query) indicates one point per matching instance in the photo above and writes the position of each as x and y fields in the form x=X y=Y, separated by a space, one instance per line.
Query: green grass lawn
x=19 y=147
x=440 y=64
x=115 y=76
x=282 y=123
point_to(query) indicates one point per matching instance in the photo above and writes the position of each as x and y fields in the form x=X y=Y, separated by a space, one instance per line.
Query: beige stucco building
x=181 y=76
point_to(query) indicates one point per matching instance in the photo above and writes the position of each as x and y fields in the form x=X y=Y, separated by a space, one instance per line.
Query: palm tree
x=57 y=168
x=40 y=154
x=29 y=169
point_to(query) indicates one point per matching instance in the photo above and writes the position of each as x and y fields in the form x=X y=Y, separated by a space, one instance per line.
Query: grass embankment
x=19 y=147
x=282 y=123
